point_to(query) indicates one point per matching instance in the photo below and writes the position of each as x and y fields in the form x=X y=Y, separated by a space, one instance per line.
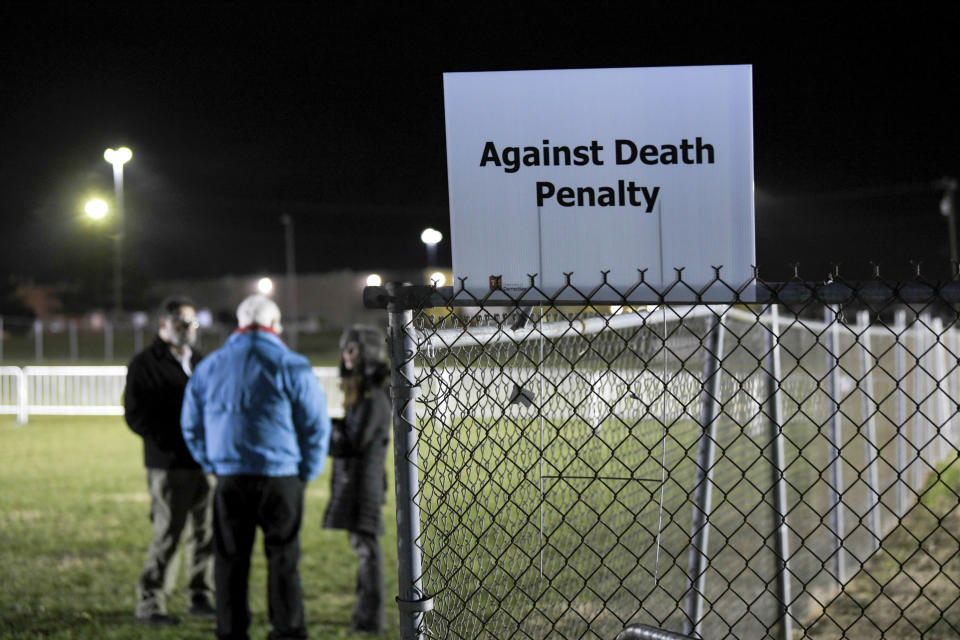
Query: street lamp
x=265 y=286
x=431 y=237
x=96 y=209
x=291 y=283
x=118 y=158
x=948 y=211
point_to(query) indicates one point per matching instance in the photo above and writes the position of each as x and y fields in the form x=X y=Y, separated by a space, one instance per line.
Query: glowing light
x=265 y=286
x=95 y=208
x=118 y=156
x=374 y=280
x=437 y=279
x=205 y=318
x=431 y=236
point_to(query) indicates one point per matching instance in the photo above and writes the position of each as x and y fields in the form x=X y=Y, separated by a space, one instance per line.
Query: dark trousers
x=368 y=611
x=241 y=504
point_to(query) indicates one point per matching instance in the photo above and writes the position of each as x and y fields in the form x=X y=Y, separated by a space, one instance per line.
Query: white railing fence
x=96 y=391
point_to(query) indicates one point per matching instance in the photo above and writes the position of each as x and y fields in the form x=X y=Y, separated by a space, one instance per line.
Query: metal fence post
x=412 y=601
x=953 y=392
x=917 y=433
x=950 y=361
x=23 y=399
x=926 y=424
x=900 y=369
x=38 y=340
x=703 y=487
x=778 y=470
x=108 y=341
x=870 y=453
x=831 y=317
x=940 y=372
x=74 y=344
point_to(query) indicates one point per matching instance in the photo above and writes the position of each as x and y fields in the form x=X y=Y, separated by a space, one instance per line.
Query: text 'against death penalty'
x=624 y=193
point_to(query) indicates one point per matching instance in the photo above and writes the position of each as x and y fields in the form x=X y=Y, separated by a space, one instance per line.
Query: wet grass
x=74 y=533
x=911 y=587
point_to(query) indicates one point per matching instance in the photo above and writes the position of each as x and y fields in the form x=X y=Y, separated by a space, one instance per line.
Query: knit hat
x=373 y=346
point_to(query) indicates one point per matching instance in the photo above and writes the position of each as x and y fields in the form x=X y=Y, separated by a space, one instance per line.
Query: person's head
x=362 y=347
x=178 y=322
x=261 y=311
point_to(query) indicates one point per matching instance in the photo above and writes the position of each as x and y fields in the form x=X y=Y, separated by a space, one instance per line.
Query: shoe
x=158 y=620
x=200 y=607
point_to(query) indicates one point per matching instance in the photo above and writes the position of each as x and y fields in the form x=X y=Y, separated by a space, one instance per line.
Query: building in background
x=46 y=332
x=329 y=300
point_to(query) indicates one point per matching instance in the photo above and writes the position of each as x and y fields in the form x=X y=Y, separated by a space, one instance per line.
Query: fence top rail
x=460 y=337
x=397 y=296
x=8 y=370
x=89 y=370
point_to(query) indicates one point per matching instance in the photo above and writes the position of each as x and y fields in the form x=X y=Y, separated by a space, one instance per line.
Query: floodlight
x=119 y=156
x=265 y=286
x=95 y=208
x=431 y=236
x=374 y=280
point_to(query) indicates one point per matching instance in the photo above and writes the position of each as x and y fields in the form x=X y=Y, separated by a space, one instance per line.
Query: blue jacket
x=254 y=407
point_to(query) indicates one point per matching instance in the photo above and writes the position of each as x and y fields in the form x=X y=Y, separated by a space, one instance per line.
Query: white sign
x=601 y=170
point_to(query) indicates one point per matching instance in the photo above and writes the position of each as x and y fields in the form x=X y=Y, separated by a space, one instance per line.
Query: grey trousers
x=368 y=613
x=180 y=500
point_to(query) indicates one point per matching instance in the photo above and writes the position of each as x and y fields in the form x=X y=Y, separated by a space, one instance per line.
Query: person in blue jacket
x=255 y=416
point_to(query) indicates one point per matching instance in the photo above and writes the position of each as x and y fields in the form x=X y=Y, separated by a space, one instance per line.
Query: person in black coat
x=179 y=489
x=358 y=446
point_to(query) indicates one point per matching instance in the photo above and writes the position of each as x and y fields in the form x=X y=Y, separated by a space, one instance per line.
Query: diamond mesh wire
x=565 y=450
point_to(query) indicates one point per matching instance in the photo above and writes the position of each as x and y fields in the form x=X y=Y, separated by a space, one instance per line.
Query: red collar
x=257 y=327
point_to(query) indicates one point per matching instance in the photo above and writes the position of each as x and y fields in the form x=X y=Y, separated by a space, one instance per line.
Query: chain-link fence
x=570 y=464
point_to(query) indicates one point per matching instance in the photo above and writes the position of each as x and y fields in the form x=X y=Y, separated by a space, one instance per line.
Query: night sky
x=333 y=113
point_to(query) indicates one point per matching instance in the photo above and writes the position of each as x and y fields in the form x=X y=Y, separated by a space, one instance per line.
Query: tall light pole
x=948 y=210
x=287 y=221
x=118 y=158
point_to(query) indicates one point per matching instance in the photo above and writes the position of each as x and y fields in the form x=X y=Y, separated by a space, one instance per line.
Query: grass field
x=908 y=589
x=74 y=533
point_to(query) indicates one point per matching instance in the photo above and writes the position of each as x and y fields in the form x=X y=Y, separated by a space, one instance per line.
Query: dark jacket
x=359 y=447
x=151 y=404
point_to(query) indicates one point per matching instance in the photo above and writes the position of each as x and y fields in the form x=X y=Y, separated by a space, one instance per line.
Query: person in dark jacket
x=179 y=489
x=358 y=447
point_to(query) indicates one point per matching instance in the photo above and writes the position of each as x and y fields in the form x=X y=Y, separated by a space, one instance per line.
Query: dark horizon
x=334 y=116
